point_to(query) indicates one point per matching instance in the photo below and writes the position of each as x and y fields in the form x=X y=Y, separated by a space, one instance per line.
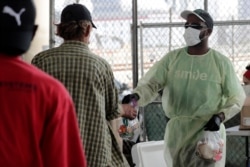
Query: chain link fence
x=160 y=30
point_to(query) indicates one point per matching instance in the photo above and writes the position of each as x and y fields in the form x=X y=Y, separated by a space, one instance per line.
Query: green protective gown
x=195 y=88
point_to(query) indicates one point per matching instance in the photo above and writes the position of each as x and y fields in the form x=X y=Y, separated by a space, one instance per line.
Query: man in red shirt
x=38 y=126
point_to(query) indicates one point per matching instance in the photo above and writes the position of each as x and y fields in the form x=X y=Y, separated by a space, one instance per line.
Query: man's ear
x=88 y=29
x=209 y=31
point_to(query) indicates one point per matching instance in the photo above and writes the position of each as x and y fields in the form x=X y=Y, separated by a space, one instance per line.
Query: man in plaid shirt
x=90 y=81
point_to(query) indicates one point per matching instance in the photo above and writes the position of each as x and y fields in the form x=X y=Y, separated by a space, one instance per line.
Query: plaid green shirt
x=90 y=81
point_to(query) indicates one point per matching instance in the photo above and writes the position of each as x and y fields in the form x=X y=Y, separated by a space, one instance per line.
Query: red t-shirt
x=38 y=126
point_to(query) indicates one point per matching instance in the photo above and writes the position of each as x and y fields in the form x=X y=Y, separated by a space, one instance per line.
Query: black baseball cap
x=201 y=14
x=17 y=26
x=76 y=12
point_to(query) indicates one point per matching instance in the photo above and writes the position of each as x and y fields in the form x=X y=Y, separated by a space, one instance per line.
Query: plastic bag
x=210 y=146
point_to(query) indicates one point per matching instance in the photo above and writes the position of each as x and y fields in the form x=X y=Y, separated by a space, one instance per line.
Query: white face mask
x=192 y=36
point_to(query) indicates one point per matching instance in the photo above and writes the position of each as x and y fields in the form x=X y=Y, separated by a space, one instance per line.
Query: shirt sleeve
x=233 y=93
x=111 y=96
x=151 y=83
x=61 y=144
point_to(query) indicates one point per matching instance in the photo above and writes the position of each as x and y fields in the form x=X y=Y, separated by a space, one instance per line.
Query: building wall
x=41 y=38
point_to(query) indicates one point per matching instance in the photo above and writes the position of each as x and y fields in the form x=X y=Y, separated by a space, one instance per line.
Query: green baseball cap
x=201 y=14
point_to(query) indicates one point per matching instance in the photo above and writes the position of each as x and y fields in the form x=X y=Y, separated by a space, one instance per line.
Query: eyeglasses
x=195 y=26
